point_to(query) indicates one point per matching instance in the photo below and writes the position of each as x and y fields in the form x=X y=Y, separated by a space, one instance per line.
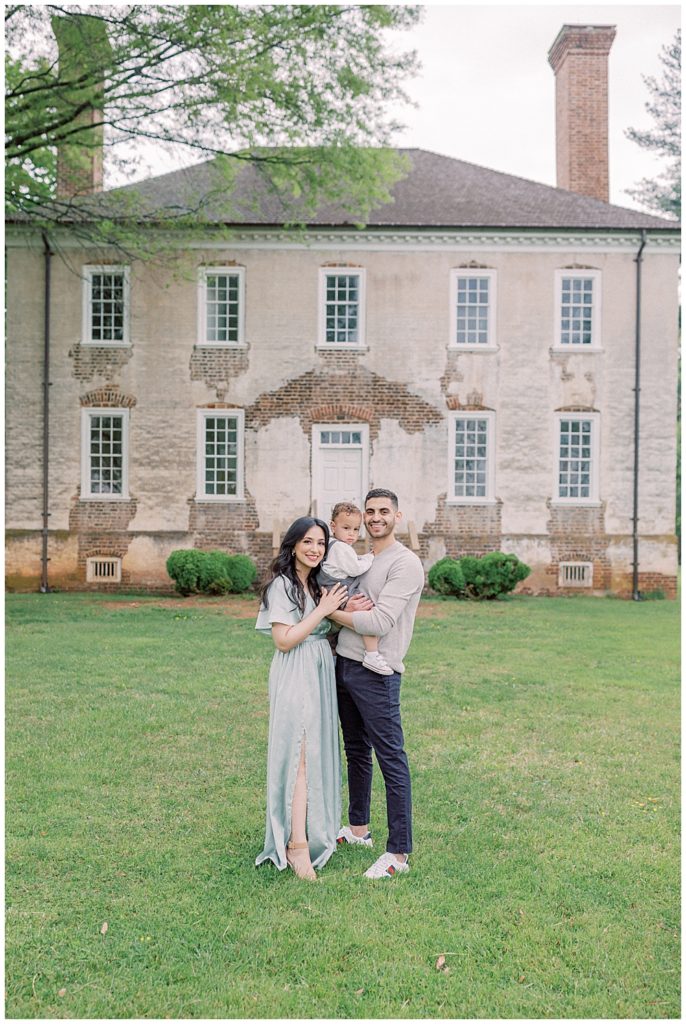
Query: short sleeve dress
x=302 y=703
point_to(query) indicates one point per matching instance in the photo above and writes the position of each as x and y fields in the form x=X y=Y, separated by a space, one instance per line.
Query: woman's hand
x=333 y=598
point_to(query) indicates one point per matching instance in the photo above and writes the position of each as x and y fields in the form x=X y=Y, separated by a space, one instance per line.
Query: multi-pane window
x=105 y=453
x=220 y=454
x=340 y=437
x=578 y=300
x=473 y=308
x=471 y=465
x=105 y=305
x=342 y=308
x=220 y=306
x=577 y=461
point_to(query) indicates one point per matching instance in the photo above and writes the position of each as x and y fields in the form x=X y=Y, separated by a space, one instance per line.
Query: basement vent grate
x=105 y=569
x=575 y=574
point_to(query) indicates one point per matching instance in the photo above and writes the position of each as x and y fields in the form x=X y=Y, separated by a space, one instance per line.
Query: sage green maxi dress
x=302 y=703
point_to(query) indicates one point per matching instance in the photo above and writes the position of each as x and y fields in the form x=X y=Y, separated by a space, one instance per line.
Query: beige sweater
x=394 y=583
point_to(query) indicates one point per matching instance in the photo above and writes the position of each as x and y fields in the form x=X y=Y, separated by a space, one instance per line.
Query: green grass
x=543 y=738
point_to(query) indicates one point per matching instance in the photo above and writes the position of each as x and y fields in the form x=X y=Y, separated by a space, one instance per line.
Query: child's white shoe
x=377 y=663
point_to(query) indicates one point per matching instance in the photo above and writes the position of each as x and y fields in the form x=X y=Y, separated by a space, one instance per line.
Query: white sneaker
x=386 y=866
x=346 y=835
x=377 y=663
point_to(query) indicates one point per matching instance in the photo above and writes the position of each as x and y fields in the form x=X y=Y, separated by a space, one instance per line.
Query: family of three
x=311 y=584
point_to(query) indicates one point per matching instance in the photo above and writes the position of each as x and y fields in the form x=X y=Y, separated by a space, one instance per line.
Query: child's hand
x=333 y=598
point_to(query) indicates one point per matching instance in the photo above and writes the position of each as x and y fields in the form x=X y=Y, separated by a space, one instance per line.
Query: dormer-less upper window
x=105 y=306
x=341 y=308
x=577 y=309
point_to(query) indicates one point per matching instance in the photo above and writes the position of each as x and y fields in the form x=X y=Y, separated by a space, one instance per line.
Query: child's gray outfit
x=342 y=564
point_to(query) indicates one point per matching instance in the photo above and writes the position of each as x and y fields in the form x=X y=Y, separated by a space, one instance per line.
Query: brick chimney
x=83 y=50
x=579 y=59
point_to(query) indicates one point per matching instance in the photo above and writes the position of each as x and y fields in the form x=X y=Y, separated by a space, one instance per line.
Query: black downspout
x=637 y=390
x=45 y=589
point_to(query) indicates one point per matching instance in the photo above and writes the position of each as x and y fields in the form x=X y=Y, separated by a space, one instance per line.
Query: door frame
x=363 y=428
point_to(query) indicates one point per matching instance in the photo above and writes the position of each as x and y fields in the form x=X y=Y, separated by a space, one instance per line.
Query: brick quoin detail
x=91 y=361
x=110 y=397
x=578 y=535
x=357 y=388
x=217 y=367
x=464 y=529
x=102 y=528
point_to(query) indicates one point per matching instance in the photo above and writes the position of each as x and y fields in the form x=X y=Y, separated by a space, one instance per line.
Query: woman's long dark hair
x=284 y=563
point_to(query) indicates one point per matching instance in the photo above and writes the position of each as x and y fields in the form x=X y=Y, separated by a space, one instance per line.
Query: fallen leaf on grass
x=104 y=927
x=62 y=992
x=359 y=991
x=440 y=963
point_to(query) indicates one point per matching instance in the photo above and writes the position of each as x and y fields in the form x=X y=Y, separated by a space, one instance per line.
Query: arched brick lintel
x=107 y=397
x=340 y=411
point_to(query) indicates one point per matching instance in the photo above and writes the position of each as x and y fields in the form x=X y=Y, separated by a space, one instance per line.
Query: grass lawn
x=543 y=737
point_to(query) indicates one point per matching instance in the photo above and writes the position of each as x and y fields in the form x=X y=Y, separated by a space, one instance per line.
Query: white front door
x=340 y=455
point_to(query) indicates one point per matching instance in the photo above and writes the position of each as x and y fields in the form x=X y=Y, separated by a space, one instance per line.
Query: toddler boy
x=343 y=565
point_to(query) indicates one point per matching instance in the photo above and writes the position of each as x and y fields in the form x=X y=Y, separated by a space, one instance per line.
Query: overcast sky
x=486 y=93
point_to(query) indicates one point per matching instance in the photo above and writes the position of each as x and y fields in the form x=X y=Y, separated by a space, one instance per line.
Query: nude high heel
x=297 y=862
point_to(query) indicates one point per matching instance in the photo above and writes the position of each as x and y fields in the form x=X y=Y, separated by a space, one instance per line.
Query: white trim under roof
x=393 y=240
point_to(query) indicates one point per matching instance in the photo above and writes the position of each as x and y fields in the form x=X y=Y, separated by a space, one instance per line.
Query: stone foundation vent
x=575 y=574
x=106 y=569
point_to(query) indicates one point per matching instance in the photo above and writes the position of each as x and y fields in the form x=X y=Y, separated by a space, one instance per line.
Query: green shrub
x=184 y=568
x=493 y=574
x=210 y=572
x=214 y=577
x=242 y=572
x=446 y=577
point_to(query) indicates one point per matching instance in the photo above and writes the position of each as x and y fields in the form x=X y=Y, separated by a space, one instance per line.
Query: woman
x=303 y=762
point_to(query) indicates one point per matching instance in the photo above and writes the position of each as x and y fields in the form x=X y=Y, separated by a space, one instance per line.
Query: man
x=369 y=704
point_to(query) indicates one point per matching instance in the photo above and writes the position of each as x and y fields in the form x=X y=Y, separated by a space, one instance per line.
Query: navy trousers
x=369 y=710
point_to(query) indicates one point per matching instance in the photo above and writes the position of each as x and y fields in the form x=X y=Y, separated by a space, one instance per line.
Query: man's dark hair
x=382 y=492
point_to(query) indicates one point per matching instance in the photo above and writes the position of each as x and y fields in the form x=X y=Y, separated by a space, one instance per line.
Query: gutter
x=638 y=260
x=48 y=253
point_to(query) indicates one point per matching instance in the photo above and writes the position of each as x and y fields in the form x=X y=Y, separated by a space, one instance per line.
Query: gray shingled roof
x=438 y=192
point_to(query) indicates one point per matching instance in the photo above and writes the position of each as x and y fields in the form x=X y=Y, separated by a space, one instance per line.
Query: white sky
x=486 y=93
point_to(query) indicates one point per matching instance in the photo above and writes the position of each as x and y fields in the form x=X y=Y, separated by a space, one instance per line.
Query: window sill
x=105 y=497
x=473 y=348
x=471 y=501
x=339 y=346
x=559 y=350
x=105 y=344
x=223 y=499
x=221 y=344
x=575 y=503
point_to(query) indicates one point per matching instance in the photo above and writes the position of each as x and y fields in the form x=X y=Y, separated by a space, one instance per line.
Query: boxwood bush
x=482 y=579
x=446 y=577
x=491 y=575
x=210 y=572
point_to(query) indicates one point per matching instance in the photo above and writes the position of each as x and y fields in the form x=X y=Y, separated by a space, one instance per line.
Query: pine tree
x=663 y=193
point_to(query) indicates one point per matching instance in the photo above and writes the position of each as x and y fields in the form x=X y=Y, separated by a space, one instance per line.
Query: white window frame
x=87 y=305
x=86 y=415
x=596 y=308
x=593 y=499
x=203 y=274
x=342 y=346
x=490 y=345
x=489 y=497
x=239 y=416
